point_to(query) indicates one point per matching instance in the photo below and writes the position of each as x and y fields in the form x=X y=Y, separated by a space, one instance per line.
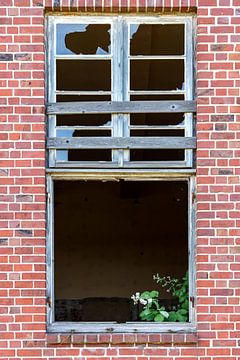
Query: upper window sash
x=119 y=89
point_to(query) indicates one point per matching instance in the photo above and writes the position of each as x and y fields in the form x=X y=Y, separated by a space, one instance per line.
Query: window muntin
x=127 y=69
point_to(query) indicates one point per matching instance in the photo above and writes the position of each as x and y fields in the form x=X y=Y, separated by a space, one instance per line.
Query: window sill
x=174 y=337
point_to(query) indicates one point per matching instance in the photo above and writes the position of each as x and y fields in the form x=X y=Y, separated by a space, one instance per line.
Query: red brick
x=22 y=190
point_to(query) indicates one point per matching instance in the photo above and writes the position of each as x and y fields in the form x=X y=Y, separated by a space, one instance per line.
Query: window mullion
x=188 y=68
x=126 y=79
x=116 y=84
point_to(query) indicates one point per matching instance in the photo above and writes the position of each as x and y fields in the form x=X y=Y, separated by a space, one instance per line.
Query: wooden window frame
x=130 y=327
x=120 y=107
x=153 y=171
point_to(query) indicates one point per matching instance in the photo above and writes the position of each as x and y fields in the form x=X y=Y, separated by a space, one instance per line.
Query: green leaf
x=185 y=305
x=182 y=311
x=159 y=317
x=155 y=302
x=165 y=314
x=148 y=317
x=146 y=312
x=172 y=316
x=145 y=295
x=180 y=317
x=154 y=294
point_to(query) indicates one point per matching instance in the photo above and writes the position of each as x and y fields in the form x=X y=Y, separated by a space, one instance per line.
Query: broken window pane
x=84 y=120
x=82 y=133
x=157 y=74
x=156 y=119
x=157 y=39
x=84 y=155
x=87 y=39
x=111 y=240
x=84 y=75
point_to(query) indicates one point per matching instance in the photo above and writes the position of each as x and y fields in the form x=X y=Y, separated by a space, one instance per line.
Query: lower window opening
x=110 y=238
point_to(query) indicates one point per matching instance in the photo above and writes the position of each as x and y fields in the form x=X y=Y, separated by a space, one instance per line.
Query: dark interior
x=157 y=39
x=110 y=238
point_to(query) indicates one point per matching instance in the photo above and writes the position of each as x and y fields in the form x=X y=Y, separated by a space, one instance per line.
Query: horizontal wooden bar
x=123 y=107
x=131 y=127
x=136 y=174
x=122 y=143
x=113 y=327
x=127 y=165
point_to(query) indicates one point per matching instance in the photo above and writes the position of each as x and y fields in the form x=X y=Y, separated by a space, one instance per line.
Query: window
x=120 y=95
x=120 y=167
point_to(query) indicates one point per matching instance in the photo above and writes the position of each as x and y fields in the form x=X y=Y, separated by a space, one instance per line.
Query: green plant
x=153 y=311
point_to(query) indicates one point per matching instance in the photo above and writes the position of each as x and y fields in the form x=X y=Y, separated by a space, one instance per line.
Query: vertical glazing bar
x=188 y=66
x=113 y=81
x=126 y=77
x=116 y=82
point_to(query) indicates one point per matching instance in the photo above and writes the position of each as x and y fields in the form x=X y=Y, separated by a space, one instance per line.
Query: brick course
x=22 y=188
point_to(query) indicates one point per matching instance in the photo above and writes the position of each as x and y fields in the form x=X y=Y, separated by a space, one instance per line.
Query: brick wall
x=22 y=189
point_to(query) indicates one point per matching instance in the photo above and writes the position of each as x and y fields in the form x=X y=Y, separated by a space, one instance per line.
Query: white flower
x=143 y=301
x=136 y=298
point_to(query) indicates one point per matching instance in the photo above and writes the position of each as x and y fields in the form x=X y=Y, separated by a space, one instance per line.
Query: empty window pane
x=146 y=155
x=157 y=74
x=156 y=119
x=83 y=75
x=160 y=133
x=111 y=240
x=71 y=98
